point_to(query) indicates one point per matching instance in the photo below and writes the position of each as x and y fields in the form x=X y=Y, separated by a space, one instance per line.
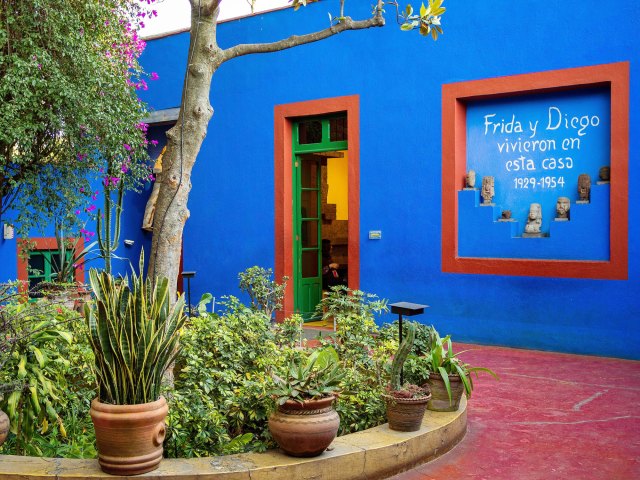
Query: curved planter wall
x=376 y=453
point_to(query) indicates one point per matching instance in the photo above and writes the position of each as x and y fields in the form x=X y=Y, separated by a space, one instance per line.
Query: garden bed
x=372 y=454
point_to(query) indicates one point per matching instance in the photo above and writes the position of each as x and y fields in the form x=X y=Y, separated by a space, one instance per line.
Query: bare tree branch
x=296 y=40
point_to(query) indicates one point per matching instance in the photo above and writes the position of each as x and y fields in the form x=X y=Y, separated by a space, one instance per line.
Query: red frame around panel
x=47 y=243
x=454 y=99
x=284 y=116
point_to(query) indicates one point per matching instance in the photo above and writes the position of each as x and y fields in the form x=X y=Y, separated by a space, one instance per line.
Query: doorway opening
x=317 y=194
x=321 y=209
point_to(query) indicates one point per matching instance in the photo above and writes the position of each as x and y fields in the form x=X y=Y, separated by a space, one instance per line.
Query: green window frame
x=49 y=266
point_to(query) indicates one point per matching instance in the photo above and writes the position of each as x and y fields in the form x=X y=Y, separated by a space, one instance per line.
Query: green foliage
x=68 y=104
x=222 y=383
x=32 y=365
x=364 y=355
x=63 y=382
x=289 y=333
x=265 y=294
x=442 y=360
x=68 y=257
x=309 y=377
x=424 y=335
x=134 y=335
x=354 y=314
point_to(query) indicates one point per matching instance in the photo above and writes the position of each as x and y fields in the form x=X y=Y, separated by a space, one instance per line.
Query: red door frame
x=284 y=117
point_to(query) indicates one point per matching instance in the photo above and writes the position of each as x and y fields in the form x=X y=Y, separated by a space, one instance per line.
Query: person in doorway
x=330 y=269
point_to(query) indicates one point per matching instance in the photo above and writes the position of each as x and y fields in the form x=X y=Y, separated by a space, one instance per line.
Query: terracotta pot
x=439 y=398
x=129 y=437
x=405 y=414
x=305 y=429
x=4 y=426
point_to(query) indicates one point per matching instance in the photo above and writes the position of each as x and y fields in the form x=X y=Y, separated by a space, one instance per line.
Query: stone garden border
x=372 y=454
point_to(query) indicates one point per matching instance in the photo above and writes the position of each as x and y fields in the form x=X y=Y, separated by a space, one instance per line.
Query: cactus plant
x=401 y=356
x=106 y=242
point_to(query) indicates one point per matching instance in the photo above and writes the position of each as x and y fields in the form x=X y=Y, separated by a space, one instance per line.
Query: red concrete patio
x=550 y=416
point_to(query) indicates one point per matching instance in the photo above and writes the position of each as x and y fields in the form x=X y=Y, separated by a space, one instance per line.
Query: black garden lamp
x=409 y=310
x=189 y=276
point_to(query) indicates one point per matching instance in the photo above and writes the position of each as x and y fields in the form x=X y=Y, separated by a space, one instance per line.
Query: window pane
x=309 y=234
x=338 y=131
x=309 y=204
x=310 y=263
x=36 y=262
x=309 y=172
x=310 y=132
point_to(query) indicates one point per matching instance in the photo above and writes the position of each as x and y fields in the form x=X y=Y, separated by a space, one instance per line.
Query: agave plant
x=134 y=334
x=317 y=376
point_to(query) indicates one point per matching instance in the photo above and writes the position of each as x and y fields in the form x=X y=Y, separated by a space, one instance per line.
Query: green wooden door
x=310 y=137
x=307 y=234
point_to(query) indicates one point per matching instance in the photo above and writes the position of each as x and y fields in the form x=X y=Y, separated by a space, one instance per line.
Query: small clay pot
x=405 y=414
x=439 y=398
x=305 y=429
x=4 y=426
x=129 y=437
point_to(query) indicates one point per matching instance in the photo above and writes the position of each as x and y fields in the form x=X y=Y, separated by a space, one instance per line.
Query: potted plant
x=305 y=423
x=405 y=403
x=134 y=333
x=448 y=375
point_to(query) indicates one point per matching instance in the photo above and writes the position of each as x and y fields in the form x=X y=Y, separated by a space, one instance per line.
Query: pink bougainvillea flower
x=90 y=208
x=124 y=168
x=127 y=147
x=154 y=142
x=77 y=212
x=154 y=76
x=152 y=177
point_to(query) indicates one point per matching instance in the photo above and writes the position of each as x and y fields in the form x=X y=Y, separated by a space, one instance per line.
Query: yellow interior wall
x=338 y=181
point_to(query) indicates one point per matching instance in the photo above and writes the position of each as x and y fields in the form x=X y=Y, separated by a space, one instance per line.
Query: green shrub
x=222 y=380
x=46 y=381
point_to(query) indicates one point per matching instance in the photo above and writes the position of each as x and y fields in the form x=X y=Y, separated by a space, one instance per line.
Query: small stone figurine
x=563 y=206
x=488 y=190
x=584 y=188
x=534 y=221
x=470 y=180
x=605 y=174
x=506 y=214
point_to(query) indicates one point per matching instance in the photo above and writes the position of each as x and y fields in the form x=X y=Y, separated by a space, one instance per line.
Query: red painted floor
x=551 y=416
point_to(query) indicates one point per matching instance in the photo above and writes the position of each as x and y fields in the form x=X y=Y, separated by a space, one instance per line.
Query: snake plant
x=134 y=334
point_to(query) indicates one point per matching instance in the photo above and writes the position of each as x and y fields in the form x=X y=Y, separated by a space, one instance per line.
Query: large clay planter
x=405 y=414
x=129 y=437
x=4 y=426
x=439 y=398
x=305 y=429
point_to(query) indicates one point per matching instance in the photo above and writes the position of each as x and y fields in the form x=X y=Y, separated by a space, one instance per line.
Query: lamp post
x=189 y=275
x=409 y=310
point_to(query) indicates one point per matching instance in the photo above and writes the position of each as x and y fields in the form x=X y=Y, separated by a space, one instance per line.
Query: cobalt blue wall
x=399 y=77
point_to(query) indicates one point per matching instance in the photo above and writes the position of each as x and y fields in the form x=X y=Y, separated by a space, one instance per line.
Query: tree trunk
x=183 y=144
x=185 y=138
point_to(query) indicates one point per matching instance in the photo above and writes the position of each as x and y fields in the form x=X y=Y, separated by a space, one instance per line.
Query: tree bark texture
x=185 y=138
